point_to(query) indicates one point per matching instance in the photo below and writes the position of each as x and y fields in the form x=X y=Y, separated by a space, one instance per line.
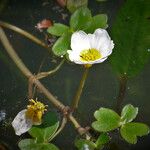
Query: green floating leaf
x=129 y=112
x=49 y=119
x=102 y=140
x=107 y=120
x=45 y=132
x=130 y=131
x=30 y=144
x=80 y=19
x=58 y=29
x=62 y=44
x=73 y=5
x=98 y=21
x=82 y=144
x=131 y=36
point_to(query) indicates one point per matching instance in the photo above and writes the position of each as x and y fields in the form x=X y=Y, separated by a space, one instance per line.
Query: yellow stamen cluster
x=90 y=55
x=35 y=111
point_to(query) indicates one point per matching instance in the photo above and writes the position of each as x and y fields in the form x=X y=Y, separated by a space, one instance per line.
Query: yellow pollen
x=35 y=111
x=90 y=55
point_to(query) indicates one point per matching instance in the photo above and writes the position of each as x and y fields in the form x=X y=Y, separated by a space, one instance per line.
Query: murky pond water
x=101 y=87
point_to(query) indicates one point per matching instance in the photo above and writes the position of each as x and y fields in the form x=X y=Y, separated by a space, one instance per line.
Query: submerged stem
x=122 y=90
x=11 y=52
x=64 y=121
x=76 y=99
x=24 y=33
x=45 y=74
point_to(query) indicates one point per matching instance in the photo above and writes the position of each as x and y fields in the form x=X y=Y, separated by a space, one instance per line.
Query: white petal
x=20 y=123
x=79 y=41
x=100 y=60
x=101 y=41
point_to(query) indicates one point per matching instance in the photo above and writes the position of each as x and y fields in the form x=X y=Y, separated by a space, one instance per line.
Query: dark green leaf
x=82 y=143
x=98 y=21
x=130 y=131
x=62 y=44
x=80 y=19
x=43 y=134
x=131 y=35
x=49 y=119
x=30 y=144
x=128 y=113
x=73 y=5
x=58 y=29
x=47 y=129
x=26 y=144
x=102 y=140
x=107 y=120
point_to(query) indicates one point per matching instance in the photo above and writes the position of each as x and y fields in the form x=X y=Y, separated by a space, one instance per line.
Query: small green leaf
x=129 y=112
x=58 y=29
x=43 y=134
x=62 y=44
x=102 y=140
x=80 y=19
x=30 y=144
x=98 y=21
x=49 y=119
x=73 y=5
x=130 y=131
x=107 y=120
x=26 y=144
x=82 y=143
x=48 y=128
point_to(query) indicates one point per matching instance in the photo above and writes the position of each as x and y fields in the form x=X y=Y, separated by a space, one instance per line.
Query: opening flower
x=28 y=117
x=90 y=48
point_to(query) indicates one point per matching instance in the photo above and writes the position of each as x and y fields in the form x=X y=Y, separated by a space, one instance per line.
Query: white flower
x=28 y=117
x=21 y=124
x=90 y=48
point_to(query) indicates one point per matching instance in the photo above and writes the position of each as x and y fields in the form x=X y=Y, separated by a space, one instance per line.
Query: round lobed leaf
x=58 y=29
x=62 y=44
x=82 y=143
x=130 y=131
x=30 y=144
x=107 y=120
x=98 y=21
x=102 y=140
x=129 y=112
x=80 y=19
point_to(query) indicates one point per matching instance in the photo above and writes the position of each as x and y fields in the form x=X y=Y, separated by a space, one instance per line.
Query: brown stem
x=24 y=33
x=28 y=74
x=30 y=88
x=45 y=74
x=122 y=90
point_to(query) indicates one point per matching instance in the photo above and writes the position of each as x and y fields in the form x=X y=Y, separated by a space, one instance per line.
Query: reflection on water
x=101 y=87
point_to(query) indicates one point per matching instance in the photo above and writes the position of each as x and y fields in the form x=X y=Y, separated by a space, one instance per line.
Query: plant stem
x=11 y=52
x=24 y=33
x=122 y=90
x=25 y=70
x=76 y=99
x=45 y=74
x=64 y=121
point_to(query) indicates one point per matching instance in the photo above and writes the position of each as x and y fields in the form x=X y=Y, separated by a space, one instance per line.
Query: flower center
x=35 y=111
x=90 y=55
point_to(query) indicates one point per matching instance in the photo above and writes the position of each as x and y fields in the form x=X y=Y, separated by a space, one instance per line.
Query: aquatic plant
x=85 y=42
